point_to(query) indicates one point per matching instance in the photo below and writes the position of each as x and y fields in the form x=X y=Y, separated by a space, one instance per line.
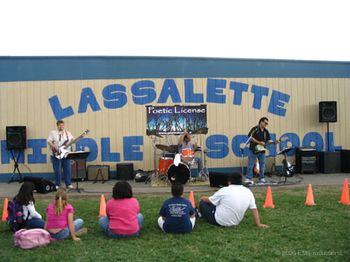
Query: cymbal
x=198 y=149
x=163 y=147
x=203 y=130
x=173 y=149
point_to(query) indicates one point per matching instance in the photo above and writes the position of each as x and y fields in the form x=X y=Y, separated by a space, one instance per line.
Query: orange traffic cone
x=344 y=199
x=191 y=199
x=268 y=200
x=310 y=197
x=102 y=211
x=4 y=210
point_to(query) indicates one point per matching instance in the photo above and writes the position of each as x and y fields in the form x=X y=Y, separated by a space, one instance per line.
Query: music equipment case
x=125 y=171
x=329 y=162
x=42 y=185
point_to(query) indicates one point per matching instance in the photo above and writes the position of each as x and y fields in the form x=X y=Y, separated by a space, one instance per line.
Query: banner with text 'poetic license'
x=176 y=119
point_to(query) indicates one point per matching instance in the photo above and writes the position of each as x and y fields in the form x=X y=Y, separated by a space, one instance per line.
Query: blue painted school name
x=219 y=146
x=144 y=92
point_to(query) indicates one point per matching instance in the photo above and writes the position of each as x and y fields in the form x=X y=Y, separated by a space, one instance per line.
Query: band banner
x=173 y=120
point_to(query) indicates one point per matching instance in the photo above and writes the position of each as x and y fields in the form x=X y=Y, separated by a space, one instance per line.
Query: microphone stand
x=245 y=144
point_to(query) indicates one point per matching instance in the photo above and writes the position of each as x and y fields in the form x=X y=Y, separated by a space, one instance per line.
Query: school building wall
x=108 y=96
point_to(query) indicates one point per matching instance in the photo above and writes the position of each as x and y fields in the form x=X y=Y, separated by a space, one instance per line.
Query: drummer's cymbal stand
x=204 y=173
x=154 y=142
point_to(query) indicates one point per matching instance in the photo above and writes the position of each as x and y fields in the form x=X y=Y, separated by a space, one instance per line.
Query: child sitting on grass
x=123 y=218
x=177 y=214
x=60 y=219
x=25 y=197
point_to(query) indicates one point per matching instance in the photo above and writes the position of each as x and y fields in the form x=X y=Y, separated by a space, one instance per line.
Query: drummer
x=186 y=150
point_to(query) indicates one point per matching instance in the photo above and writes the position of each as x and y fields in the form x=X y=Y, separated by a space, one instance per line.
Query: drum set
x=174 y=166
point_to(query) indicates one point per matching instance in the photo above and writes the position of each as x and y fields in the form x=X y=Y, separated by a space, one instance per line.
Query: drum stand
x=155 y=174
x=154 y=138
x=204 y=174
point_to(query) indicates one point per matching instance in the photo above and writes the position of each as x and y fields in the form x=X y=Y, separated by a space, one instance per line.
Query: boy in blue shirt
x=177 y=214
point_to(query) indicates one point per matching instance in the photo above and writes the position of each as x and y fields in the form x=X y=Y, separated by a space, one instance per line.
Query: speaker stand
x=327 y=136
x=16 y=168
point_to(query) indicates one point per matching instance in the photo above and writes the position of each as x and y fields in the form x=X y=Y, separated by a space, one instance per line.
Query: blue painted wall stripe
x=76 y=68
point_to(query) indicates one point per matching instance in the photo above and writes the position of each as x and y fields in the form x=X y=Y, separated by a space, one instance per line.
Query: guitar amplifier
x=98 y=172
x=306 y=160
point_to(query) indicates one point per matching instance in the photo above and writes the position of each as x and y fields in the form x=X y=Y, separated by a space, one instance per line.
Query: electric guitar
x=262 y=148
x=62 y=151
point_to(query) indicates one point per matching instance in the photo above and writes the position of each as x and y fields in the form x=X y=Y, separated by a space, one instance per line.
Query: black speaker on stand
x=16 y=139
x=329 y=161
x=327 y=112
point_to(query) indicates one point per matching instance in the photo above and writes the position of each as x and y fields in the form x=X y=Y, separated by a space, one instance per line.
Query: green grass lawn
x=296 y=233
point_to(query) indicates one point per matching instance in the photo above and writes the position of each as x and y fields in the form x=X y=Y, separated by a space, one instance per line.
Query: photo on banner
x=176 y=119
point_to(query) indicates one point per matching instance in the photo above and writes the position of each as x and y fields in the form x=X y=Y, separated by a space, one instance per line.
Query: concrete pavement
x=91 y=189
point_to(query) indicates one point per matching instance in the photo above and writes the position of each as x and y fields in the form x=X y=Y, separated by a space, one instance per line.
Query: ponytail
x=61 y=201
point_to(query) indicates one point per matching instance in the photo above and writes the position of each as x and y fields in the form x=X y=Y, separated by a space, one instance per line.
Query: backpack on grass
x=31 y=238
x=15 y=217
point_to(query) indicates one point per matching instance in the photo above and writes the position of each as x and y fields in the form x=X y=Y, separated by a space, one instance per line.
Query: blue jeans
x=35 y=223
x=64 y=233
x=197 y=160
x=208 y=212
x=65 y=165
x=251 y=161
x=104 y=224
x=199 y=163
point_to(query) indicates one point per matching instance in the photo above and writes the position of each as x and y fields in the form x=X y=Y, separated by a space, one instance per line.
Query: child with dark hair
x=25 y=197
x=177 y=214
x=123 y=218
x=60 y=219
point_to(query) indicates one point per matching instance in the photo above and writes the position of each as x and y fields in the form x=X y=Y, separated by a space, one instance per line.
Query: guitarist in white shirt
x=58 y=138
x=259 y=138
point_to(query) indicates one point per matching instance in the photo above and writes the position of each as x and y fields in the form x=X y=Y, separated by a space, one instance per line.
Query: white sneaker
x=248 y=182
x=57 y=187
x=262 y=181
x=70 y=187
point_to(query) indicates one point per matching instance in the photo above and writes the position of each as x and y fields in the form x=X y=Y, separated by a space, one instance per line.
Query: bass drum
x=180 y=173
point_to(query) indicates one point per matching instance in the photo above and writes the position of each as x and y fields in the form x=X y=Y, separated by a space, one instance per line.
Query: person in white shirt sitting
x=229 y=204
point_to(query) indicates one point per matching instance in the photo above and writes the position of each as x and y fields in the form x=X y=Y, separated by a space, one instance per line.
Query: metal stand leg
x=77 y=180
x=15 y=160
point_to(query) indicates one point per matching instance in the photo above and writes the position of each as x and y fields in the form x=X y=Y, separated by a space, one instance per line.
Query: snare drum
x=180 y=173
x=187 y=155
x=163 y=165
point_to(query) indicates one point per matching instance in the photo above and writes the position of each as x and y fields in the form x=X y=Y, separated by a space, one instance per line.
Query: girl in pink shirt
x=59 y=219
x=123 y=213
